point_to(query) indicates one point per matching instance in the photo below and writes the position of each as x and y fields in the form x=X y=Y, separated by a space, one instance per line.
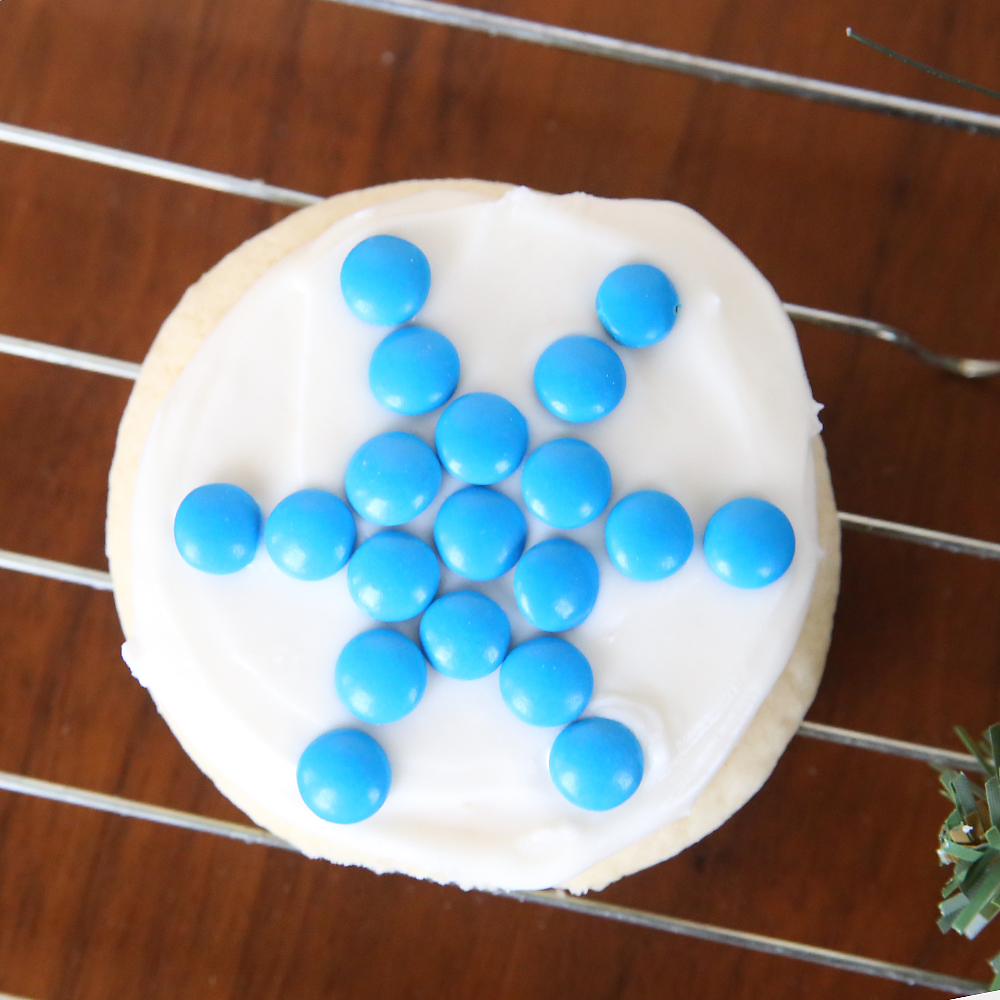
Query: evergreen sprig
x=970 y=840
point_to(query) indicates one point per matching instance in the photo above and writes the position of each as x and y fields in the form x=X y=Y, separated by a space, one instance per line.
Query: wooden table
x=841 y=209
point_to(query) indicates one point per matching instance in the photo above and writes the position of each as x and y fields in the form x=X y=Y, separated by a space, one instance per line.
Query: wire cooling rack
x=611 y=48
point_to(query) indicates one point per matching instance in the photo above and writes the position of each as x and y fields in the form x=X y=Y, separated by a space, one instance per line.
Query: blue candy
x=217 y=528
x=596 y=763
x=414 y=370
x=344 y=776
x=465 y=635
x=579 y=378
x=380 y=676
x=546 y=681
x=479 y=533
x=310 y=534
x=393 y=576
x=637 y=304
x=385 y=280
x=392 y=477
x=481 y=438
x=555 y=584
x=566 y=483
x=749 y=543
x=648 y=535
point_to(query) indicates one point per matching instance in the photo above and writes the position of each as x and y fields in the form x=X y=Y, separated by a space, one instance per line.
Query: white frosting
x=277 y=400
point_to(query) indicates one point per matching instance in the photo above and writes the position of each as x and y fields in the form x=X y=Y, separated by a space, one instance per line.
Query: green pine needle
x=970 y=840
x=921 y=66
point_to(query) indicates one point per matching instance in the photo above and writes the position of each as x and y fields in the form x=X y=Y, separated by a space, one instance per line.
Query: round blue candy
x=392 y=477
x=393 y=576
x=637 y=304
x=481 y=438
x=546 y=681
x=217 y=528
x=310 y=534
x=414 y=370
x=380 y=676
x=385 y=280
x=596 y=763
x=749 y=543
x=344 y=776
x=555 y=584
x=579 y=378
x=479 y=533
x=648 y=535
x=566 y=483
x=465 y=635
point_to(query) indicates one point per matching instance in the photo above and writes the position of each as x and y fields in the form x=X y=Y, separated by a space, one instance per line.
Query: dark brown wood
x=841 y=209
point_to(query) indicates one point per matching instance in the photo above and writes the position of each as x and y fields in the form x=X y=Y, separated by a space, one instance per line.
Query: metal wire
x=100 y=580
x=921 y=536
x=717 y=70
x=552 y=898
x=137 y=810
x=966 y=367
x=128 y=370
x=935 y=756
x=955 y=543
x=153 y=167
x=756 y=942
x=32 y=565
x=971 y=368
x=67 y=356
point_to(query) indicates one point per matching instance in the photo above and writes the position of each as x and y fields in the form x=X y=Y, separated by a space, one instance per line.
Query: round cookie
x=199 y=311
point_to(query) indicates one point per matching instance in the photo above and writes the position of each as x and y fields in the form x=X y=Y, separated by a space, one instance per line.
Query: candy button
x=596 y=763
x=579 y=378
x=481 y=438
x=385 y=280
x=546 y=681
x=749 y=543
x=465 y=635
x=380 y=676
x=310 y=534
x=648 y=535
x=479 y=533
x=566 y=483
x=637 y=304
x=393 y=576
x=555 y=584
x=414 y=370
x=344 y=776
x=392 y=478
x=217 y=528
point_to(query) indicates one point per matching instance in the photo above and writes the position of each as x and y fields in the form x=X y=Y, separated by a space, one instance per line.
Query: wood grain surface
x=841 y=209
